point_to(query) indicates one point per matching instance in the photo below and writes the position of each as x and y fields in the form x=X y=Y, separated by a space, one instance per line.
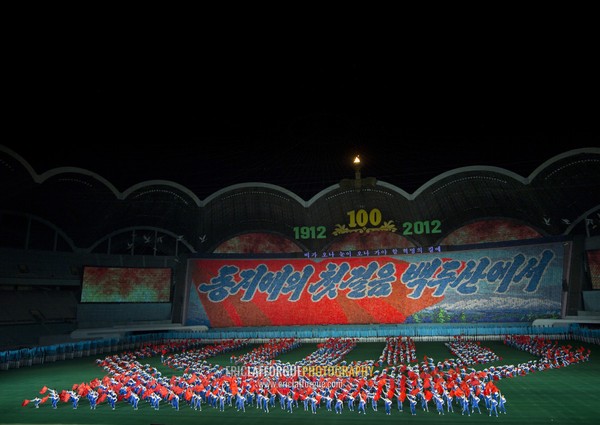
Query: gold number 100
x=361 y=217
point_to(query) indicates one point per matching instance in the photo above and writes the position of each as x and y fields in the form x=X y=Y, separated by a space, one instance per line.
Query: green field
x=557 y=396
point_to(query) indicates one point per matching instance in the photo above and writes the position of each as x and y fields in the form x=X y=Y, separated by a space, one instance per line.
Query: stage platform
x=569 y=320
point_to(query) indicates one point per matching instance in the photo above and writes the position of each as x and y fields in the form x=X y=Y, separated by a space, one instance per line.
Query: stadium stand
x=53 y=226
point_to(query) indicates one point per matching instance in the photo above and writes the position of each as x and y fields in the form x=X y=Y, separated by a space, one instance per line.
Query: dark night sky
x=210 y=119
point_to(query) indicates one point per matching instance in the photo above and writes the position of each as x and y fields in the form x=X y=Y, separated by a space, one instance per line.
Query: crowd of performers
x=471 y=352
x=266 y=352
x=448 y=386
x=397 y=350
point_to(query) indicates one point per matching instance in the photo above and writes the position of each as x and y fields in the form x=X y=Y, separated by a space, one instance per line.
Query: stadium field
x=565 y=395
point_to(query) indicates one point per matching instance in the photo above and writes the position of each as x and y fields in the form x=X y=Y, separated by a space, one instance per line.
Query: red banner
x=259 y=292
